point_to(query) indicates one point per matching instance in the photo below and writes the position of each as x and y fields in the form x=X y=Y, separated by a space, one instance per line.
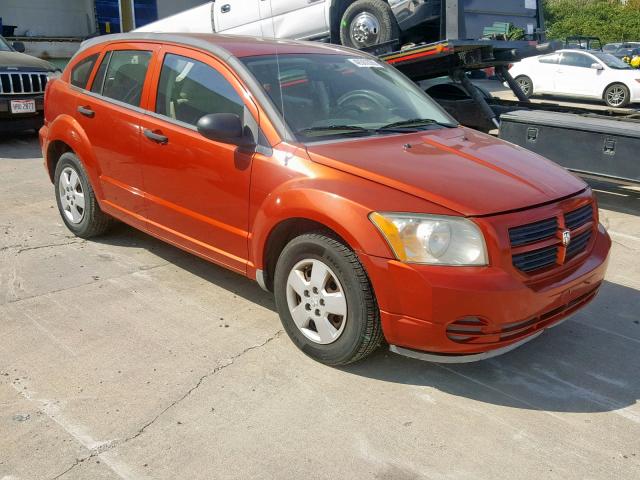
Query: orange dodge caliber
x=333 y=181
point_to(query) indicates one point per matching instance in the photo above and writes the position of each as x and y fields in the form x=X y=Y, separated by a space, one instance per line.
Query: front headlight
x=432 y=239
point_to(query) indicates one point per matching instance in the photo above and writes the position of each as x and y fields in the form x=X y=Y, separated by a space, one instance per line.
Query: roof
x=226 y=45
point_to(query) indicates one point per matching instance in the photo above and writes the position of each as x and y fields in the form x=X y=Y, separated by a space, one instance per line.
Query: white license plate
x=23 y=106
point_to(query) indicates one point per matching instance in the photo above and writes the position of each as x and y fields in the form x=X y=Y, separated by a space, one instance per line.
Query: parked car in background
x=333 y=180
x=579 y=74
x=23 y=79
x=622 y=50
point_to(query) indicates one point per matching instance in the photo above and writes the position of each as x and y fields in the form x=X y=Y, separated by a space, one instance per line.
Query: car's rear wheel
x=526 y=85
x=617 y=95
x=366 y=23
x=76 y=199
x=325 y=300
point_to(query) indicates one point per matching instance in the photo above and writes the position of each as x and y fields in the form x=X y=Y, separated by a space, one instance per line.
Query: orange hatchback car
x=332 y=180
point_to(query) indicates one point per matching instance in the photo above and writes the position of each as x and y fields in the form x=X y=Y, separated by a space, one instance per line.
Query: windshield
x=4 y=46
x=611 y=61
x=324 y=96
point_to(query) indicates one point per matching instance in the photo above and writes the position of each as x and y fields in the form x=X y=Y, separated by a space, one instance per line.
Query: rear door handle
x=226 y=8
x=86 y=111
x=156 y=137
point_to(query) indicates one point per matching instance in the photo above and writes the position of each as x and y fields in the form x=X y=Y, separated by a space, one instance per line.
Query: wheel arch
x=611 y=84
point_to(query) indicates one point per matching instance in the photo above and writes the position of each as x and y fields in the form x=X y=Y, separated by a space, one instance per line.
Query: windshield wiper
x=414 y=122
x=333 y=128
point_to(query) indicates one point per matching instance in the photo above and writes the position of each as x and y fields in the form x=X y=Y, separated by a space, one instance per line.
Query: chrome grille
x=21 y=83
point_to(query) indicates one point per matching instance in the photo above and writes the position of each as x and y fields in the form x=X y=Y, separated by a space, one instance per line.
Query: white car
x=576 y=73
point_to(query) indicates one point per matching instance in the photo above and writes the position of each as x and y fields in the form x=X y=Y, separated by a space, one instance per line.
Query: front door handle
x=226 y=8
x=86 y=111
x=156 y=137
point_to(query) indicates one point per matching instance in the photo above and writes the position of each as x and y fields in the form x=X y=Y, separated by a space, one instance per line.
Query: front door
x=197 y=190
x=109 y=113
x=574 y=74
x=238 y=17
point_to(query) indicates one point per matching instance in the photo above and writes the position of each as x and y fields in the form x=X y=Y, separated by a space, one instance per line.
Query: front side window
x=189 y=89
x=573 y=59
x=4 y=46
x=125 y=75
x=82 y=71
x=328 y=96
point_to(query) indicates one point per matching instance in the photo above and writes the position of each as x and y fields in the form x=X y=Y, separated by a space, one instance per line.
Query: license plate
x=23 y=106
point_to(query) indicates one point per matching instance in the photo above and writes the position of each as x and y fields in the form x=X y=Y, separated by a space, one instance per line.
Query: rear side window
x=189 y=89
x=125 y=75
x=82 y=71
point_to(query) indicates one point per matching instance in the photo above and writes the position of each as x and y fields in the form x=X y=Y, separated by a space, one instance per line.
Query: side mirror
x=597 y=66
x=19 y=47
x=225 y=128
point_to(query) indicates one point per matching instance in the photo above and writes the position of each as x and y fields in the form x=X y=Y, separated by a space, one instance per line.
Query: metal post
x=477 y=97
x=127 y=15
x=454 y=24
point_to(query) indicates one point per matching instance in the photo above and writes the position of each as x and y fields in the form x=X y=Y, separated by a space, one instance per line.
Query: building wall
x=52 y=18
x=170 y=7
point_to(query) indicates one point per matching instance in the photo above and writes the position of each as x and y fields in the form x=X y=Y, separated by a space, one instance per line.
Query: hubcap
x=364 y=30
x=71 y=195
x=316 y=301
x=616 y=96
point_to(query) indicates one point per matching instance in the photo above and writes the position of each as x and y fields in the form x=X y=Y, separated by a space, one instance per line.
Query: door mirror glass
x=597 y=66
x=19 y=47
x=223 y=127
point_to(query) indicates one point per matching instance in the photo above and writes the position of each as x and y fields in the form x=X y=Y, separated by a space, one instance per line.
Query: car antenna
x=273 y=28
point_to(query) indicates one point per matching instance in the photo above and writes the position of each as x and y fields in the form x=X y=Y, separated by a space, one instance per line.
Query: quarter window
x=125 y=75
x=189 y=89
x=82 y=71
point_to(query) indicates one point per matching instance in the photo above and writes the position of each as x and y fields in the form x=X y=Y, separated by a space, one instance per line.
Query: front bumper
x=419 y=303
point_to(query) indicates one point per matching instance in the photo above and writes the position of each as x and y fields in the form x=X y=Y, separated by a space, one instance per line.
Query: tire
x=617 y=95
x=76 y=199
x=376 y=21
x=526 y=85
x=355 y=334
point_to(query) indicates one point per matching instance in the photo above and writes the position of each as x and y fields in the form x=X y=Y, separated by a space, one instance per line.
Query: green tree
x=611 y=20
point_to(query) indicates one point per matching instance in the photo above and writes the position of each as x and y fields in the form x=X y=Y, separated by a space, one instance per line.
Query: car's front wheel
x=617 y=95
x=366 y=23
x=325 y=300
x=76 y=199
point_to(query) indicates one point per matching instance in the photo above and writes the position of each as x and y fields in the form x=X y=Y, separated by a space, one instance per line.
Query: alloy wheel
x=316 y=301
x=71 y=195
x=364 y=30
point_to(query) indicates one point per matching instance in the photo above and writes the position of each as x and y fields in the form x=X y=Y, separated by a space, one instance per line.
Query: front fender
x=67 y=129
x=342 y=215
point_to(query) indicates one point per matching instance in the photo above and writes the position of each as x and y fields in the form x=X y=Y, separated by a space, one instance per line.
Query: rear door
x=238 y=17
x=543 y=73
x=197 y=189
x=109 y=112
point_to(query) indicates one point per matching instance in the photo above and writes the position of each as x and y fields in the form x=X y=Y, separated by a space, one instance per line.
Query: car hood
x=22 y=61
x=460 y=169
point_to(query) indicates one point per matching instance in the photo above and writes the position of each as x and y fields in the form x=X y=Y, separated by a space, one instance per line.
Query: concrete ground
x=125 y=358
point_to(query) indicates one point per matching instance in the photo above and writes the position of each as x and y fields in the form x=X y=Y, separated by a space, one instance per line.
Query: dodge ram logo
x=566 y=238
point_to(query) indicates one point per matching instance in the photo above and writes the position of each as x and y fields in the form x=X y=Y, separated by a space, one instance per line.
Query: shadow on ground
x=20 y=145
